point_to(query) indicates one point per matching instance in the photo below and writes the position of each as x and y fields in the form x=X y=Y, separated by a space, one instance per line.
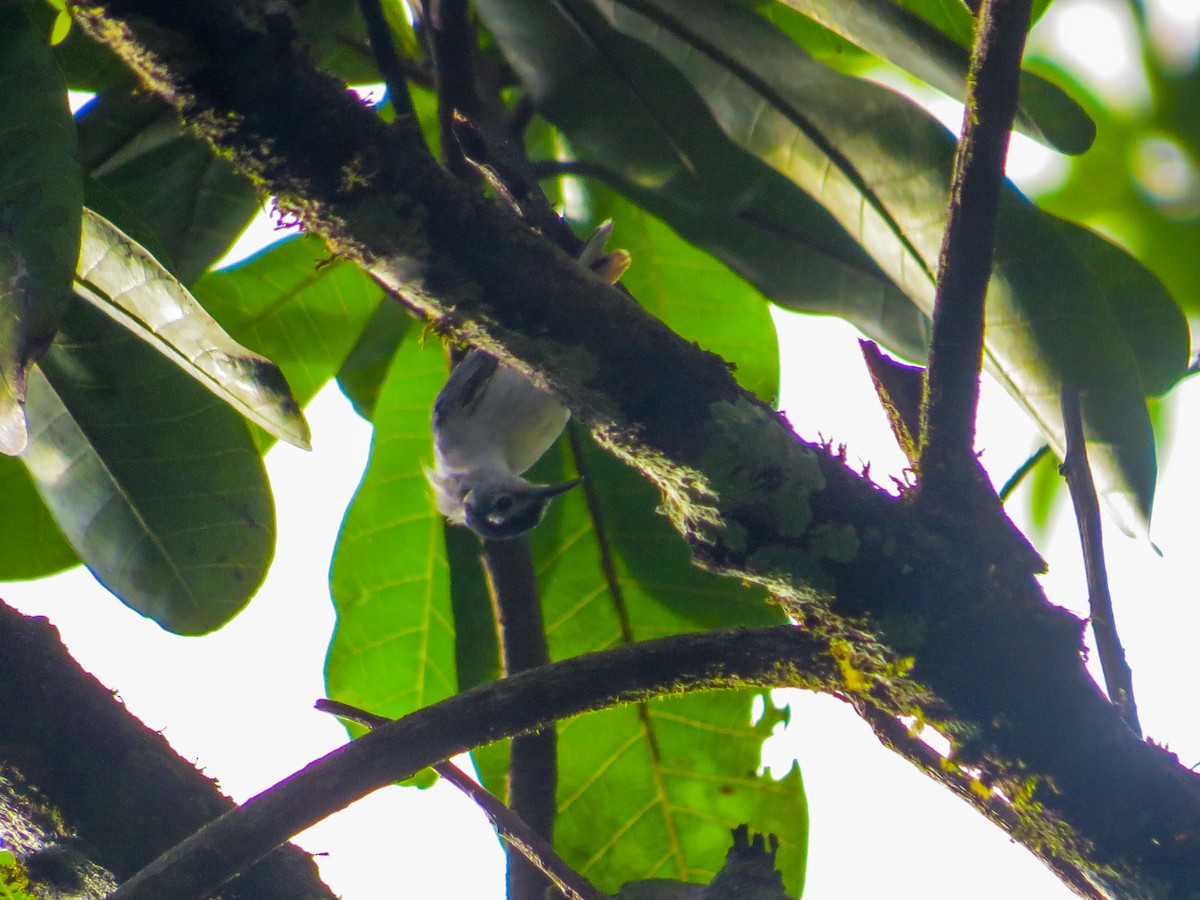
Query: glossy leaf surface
x=637 y=125
x=156 y=177
x=154 y=481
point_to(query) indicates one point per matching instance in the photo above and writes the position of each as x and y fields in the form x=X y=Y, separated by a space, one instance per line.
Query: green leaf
x=295 y=305
x=648 y=790
x=31 y=545
x=697 y=296
x=638 y=125
x=1046 y=113
x=194 y=202
x=41 y=196
x=155 y=482
x=881 y=166
x=121 y=279
x=393 y=649
x=366 y=366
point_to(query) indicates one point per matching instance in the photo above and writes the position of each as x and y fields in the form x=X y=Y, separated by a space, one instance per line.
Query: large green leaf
x=295 y=305
x=890 y=31
x=700 y=298
x=41 y=196
x=121 y=279
x=31 y=545
x=639 y=126
x=365 y=367
x=881 y=166
x=393 y=648
x=155 y=482
x=195 y=203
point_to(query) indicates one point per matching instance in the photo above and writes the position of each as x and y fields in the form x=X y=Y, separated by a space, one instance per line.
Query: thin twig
x=1118 y=679
x=764 y=657
x=533 y=761
x=379 y=33
x=508 y=824
x=1015 y=479
x=965 y=265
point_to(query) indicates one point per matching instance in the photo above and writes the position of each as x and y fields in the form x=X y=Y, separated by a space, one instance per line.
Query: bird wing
x=464 y=388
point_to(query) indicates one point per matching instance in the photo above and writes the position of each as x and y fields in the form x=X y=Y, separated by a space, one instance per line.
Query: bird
x=491 y=424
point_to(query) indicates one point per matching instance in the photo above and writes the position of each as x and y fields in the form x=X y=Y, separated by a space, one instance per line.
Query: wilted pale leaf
x=120 y=278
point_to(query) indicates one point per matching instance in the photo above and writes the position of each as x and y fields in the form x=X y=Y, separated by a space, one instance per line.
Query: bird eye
x=504 y=503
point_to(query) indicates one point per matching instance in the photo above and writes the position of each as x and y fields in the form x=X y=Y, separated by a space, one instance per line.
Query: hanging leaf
x=888 y=30
x=121 y=279
x=40 y=201
x=155 y=483
x=393 y=648
x=881 y=166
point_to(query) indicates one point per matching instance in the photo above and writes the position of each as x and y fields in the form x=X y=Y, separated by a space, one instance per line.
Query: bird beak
x=553 y=490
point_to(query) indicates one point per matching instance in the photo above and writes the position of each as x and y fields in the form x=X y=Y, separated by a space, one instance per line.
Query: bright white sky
x=239 y=703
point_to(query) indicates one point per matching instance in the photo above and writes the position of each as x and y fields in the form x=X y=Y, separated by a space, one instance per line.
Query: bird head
x=508 y=508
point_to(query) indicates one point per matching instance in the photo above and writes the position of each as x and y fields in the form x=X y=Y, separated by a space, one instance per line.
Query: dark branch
x=510 y=826
x=117 y=788
x=387 y=60
x=774 y=657
x=965 y=266
x=533 y=761
x=1118 y=679
x=454 y=70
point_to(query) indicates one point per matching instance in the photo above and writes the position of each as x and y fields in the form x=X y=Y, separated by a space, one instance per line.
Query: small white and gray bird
x=491 y=424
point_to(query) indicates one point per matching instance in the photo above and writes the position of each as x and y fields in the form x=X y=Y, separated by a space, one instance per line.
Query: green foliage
x=160 y=185
x=126 y=283
x=742 y=163
x=296 y=306
x=393 y=649
x=12 y=882
x=40 y=200
x=156 y=483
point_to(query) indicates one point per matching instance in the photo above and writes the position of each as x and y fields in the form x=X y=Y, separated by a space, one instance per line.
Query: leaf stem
x=1023 y=470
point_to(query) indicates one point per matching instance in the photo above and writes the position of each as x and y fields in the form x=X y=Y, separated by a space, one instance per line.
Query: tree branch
x=1118 y=679
x=777 y=656
x=533 y=760
x=994 y=666
x=516 y=832
x=965 y=266
x=115 y=785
